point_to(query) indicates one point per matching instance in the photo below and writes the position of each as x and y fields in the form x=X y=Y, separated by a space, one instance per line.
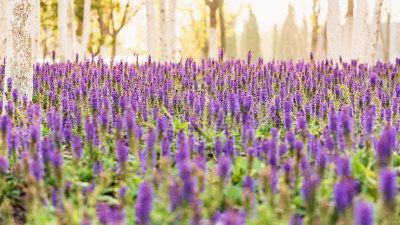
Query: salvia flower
x=363 y=213
x=144 y=203
x=388 y=185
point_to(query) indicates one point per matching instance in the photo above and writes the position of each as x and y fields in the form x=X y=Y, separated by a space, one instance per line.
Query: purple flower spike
x=296 y=219
x=363 y=213
x=144 y=204
x=388 y=185
x=77 y=147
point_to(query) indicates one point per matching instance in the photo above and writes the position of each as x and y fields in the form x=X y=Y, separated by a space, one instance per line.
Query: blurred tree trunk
x=3 y=27
x=348 y=31
x=151 y=29
x=103 y=31
x=222 y=24
x=386 y=39
x=373 y=40
x=71 y=31
x=84 y=39
x=359 y=32
x=36 y=30
x=63 y=30
x=334 y=30
x=314 y=35
x=164 y=31
x=213 y=38
x=171 y=30
x=20 y=41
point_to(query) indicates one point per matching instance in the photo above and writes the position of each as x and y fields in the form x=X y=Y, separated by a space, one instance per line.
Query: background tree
x=212 y=32
x=48 y=26
x=348 y=31
x=19 y=48
x=163 y=31
x=151 y=31
x=359 y=31
x=222 y=24
x=194 y=36
x=315 y=26
x=230 y=32
x=289 y=38
x=84 y=20
x=386 y=38
x=172 y=30
x=64 y=48
x=373 y=40
x=112 y=17
x=3 y=27
x=251 y=37
x=36 y=30
x=334 y=30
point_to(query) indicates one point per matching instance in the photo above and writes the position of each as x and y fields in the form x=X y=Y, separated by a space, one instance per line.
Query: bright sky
x=271 y=12
x=268 y=13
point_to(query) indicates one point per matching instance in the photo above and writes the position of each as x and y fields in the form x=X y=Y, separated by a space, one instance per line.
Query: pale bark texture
x=334 y=30
x=84 y=40
x=373 y=40
x=359 y=32
x=63 y=31
x=348 y=31
x=36 y=30
x=19 y=51
x=213 y=38
x=3 y=27
x=172 y=29
x=386 y=38
x=151 y=29
x=71 y=31
x=164 y=31
x=315 y=26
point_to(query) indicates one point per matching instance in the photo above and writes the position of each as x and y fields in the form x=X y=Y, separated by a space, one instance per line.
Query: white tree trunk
x=373 y=40
x=36 y=30
x=71 y=29
x=347 y=33
x=171 y=30
x=3 y=27
x=359 y=32
x=151 y=29
x=19 y=52
x=334 y=30
x=84 y=40
x=164 y=31
x=213 y=39
x=64 y=48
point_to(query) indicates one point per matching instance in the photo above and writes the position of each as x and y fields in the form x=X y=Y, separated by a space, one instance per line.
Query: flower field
x=213 y=142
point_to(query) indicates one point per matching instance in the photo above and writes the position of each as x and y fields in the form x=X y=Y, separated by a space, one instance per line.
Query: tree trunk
x=63 y=31
x=3 y=27
x=164 y=31
x=348 y=31
x=213 y=38
x=151 y=29
x=84 y=40
x=359 y=32
x=222 y=24
x=386 y=41
x=20 y=40
x=373 y=40
x=172 y=30
x=334 y=30
x=314 y=35
x=114 y=46
x=36 y=30
x=71 y=29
